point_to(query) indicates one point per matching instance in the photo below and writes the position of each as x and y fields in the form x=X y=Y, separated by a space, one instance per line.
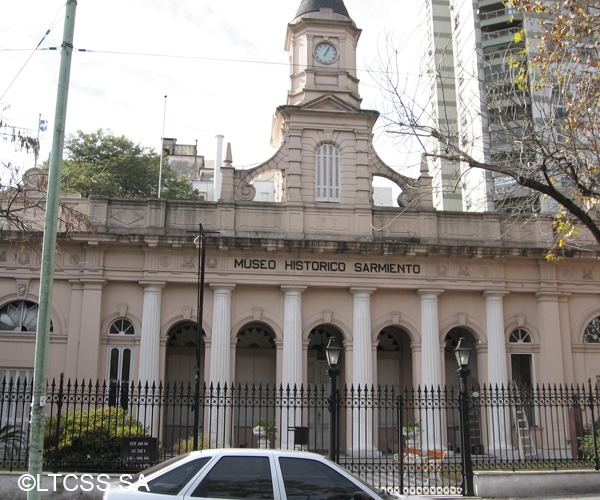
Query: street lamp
x=333 y=352
x=463 y=355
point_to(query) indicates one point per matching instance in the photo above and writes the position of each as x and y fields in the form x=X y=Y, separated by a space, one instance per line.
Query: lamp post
x=201 y=261
x=463 y=354
x=333 y=352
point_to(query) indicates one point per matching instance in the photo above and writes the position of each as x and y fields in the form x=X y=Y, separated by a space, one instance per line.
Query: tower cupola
x=337 y=6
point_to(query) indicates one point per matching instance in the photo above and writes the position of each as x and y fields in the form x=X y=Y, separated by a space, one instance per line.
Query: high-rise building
x=469 y=72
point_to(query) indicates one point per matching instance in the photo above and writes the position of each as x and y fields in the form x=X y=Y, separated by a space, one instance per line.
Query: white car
x=246 y=474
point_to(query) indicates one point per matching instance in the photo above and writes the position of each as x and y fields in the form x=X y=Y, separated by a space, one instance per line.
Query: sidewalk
x=557 y=497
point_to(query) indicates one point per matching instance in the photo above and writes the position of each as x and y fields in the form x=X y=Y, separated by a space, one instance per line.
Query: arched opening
x=255 y=372
x=394 y=359
x=255 y=360
x=181 y=379
x=181 y=354
x=385 y=192
x=394 y=374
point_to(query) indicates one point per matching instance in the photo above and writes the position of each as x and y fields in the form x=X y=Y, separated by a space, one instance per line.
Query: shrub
x=586 y=442
x=187 y=444
x=90 y=438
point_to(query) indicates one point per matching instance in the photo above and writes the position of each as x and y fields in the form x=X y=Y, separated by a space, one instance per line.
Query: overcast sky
x=221 y=64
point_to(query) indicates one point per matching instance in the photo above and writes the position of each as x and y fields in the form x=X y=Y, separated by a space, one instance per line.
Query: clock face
x=326 y=53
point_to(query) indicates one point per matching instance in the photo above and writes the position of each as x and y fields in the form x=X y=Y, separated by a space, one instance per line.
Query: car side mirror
x=361 y=495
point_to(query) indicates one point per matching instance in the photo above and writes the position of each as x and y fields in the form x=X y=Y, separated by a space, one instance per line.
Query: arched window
x=19 y=316
x=255 y=337
x=328 y=176
x=520 y=336
x=592 y=332
x=121 y=326
x=120 y=362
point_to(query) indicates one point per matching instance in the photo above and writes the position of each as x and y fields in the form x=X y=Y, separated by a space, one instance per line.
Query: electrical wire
x=201 y=58
x=53 y=24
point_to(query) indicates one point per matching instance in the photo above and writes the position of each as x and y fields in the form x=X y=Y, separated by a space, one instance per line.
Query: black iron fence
x=404 y=441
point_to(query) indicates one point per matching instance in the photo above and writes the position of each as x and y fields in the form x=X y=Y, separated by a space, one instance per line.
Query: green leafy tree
x=102 y=164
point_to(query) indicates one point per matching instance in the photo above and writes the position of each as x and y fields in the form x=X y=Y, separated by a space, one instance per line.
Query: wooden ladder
x=527 y=447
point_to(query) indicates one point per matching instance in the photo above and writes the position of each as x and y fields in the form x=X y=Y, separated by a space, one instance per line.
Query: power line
x=199 y=58
x=54 y=22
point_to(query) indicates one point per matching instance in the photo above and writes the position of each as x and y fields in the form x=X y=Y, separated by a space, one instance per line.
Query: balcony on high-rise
x=500 y=18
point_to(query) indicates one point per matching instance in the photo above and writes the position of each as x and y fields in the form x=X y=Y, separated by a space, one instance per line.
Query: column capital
x=291 y=289
x=225 y=288
x=549 y=296
x=93 y=283
x=365 y=292
x=498 y=294
x=159 y=285
x=432 y=292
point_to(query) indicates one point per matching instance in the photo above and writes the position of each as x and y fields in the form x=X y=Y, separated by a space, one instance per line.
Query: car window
x=237 y=477
x=173 y=481
x=306 y=479
x=160 y=466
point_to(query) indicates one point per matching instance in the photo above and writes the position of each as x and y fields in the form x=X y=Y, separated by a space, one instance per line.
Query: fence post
x=594 y=430
x=465 y=439
x=58 y=414
x=401 y=443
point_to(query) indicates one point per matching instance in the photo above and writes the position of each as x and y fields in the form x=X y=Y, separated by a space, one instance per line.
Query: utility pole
x=40 y=374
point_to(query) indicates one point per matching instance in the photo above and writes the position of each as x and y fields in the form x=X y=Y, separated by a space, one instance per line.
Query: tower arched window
x=328 y=174
x=592 y=332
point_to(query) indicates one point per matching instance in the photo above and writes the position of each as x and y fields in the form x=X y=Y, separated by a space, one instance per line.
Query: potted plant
x=263 y=429
x=411 y=432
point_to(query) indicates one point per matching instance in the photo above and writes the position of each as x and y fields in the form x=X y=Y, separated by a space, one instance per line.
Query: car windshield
x=159 y=467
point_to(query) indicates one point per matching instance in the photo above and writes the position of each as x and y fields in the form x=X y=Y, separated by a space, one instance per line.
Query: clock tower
x=325 y=156
x=322 y=42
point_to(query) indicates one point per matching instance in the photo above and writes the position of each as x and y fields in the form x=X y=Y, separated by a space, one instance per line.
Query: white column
x=497 y=363
x=362 y=372
x=291 y=373
x=149 y=362
x=220 y=365
x=431 y=364
x=500 y=433
x=291 y=370
x=431 y=367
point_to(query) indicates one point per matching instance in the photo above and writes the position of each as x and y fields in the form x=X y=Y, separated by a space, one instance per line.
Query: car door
x=308 y=479
x=237 y=477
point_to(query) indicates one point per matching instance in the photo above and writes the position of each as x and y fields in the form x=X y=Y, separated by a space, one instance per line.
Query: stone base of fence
x=502 y=484
x=488 y=484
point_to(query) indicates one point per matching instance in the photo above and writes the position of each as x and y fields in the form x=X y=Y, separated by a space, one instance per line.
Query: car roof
x=256 y=452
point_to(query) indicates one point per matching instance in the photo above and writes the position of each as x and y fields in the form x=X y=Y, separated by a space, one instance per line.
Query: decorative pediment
x=329 y=102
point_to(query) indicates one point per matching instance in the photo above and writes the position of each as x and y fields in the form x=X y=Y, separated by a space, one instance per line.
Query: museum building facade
x=396 y=286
